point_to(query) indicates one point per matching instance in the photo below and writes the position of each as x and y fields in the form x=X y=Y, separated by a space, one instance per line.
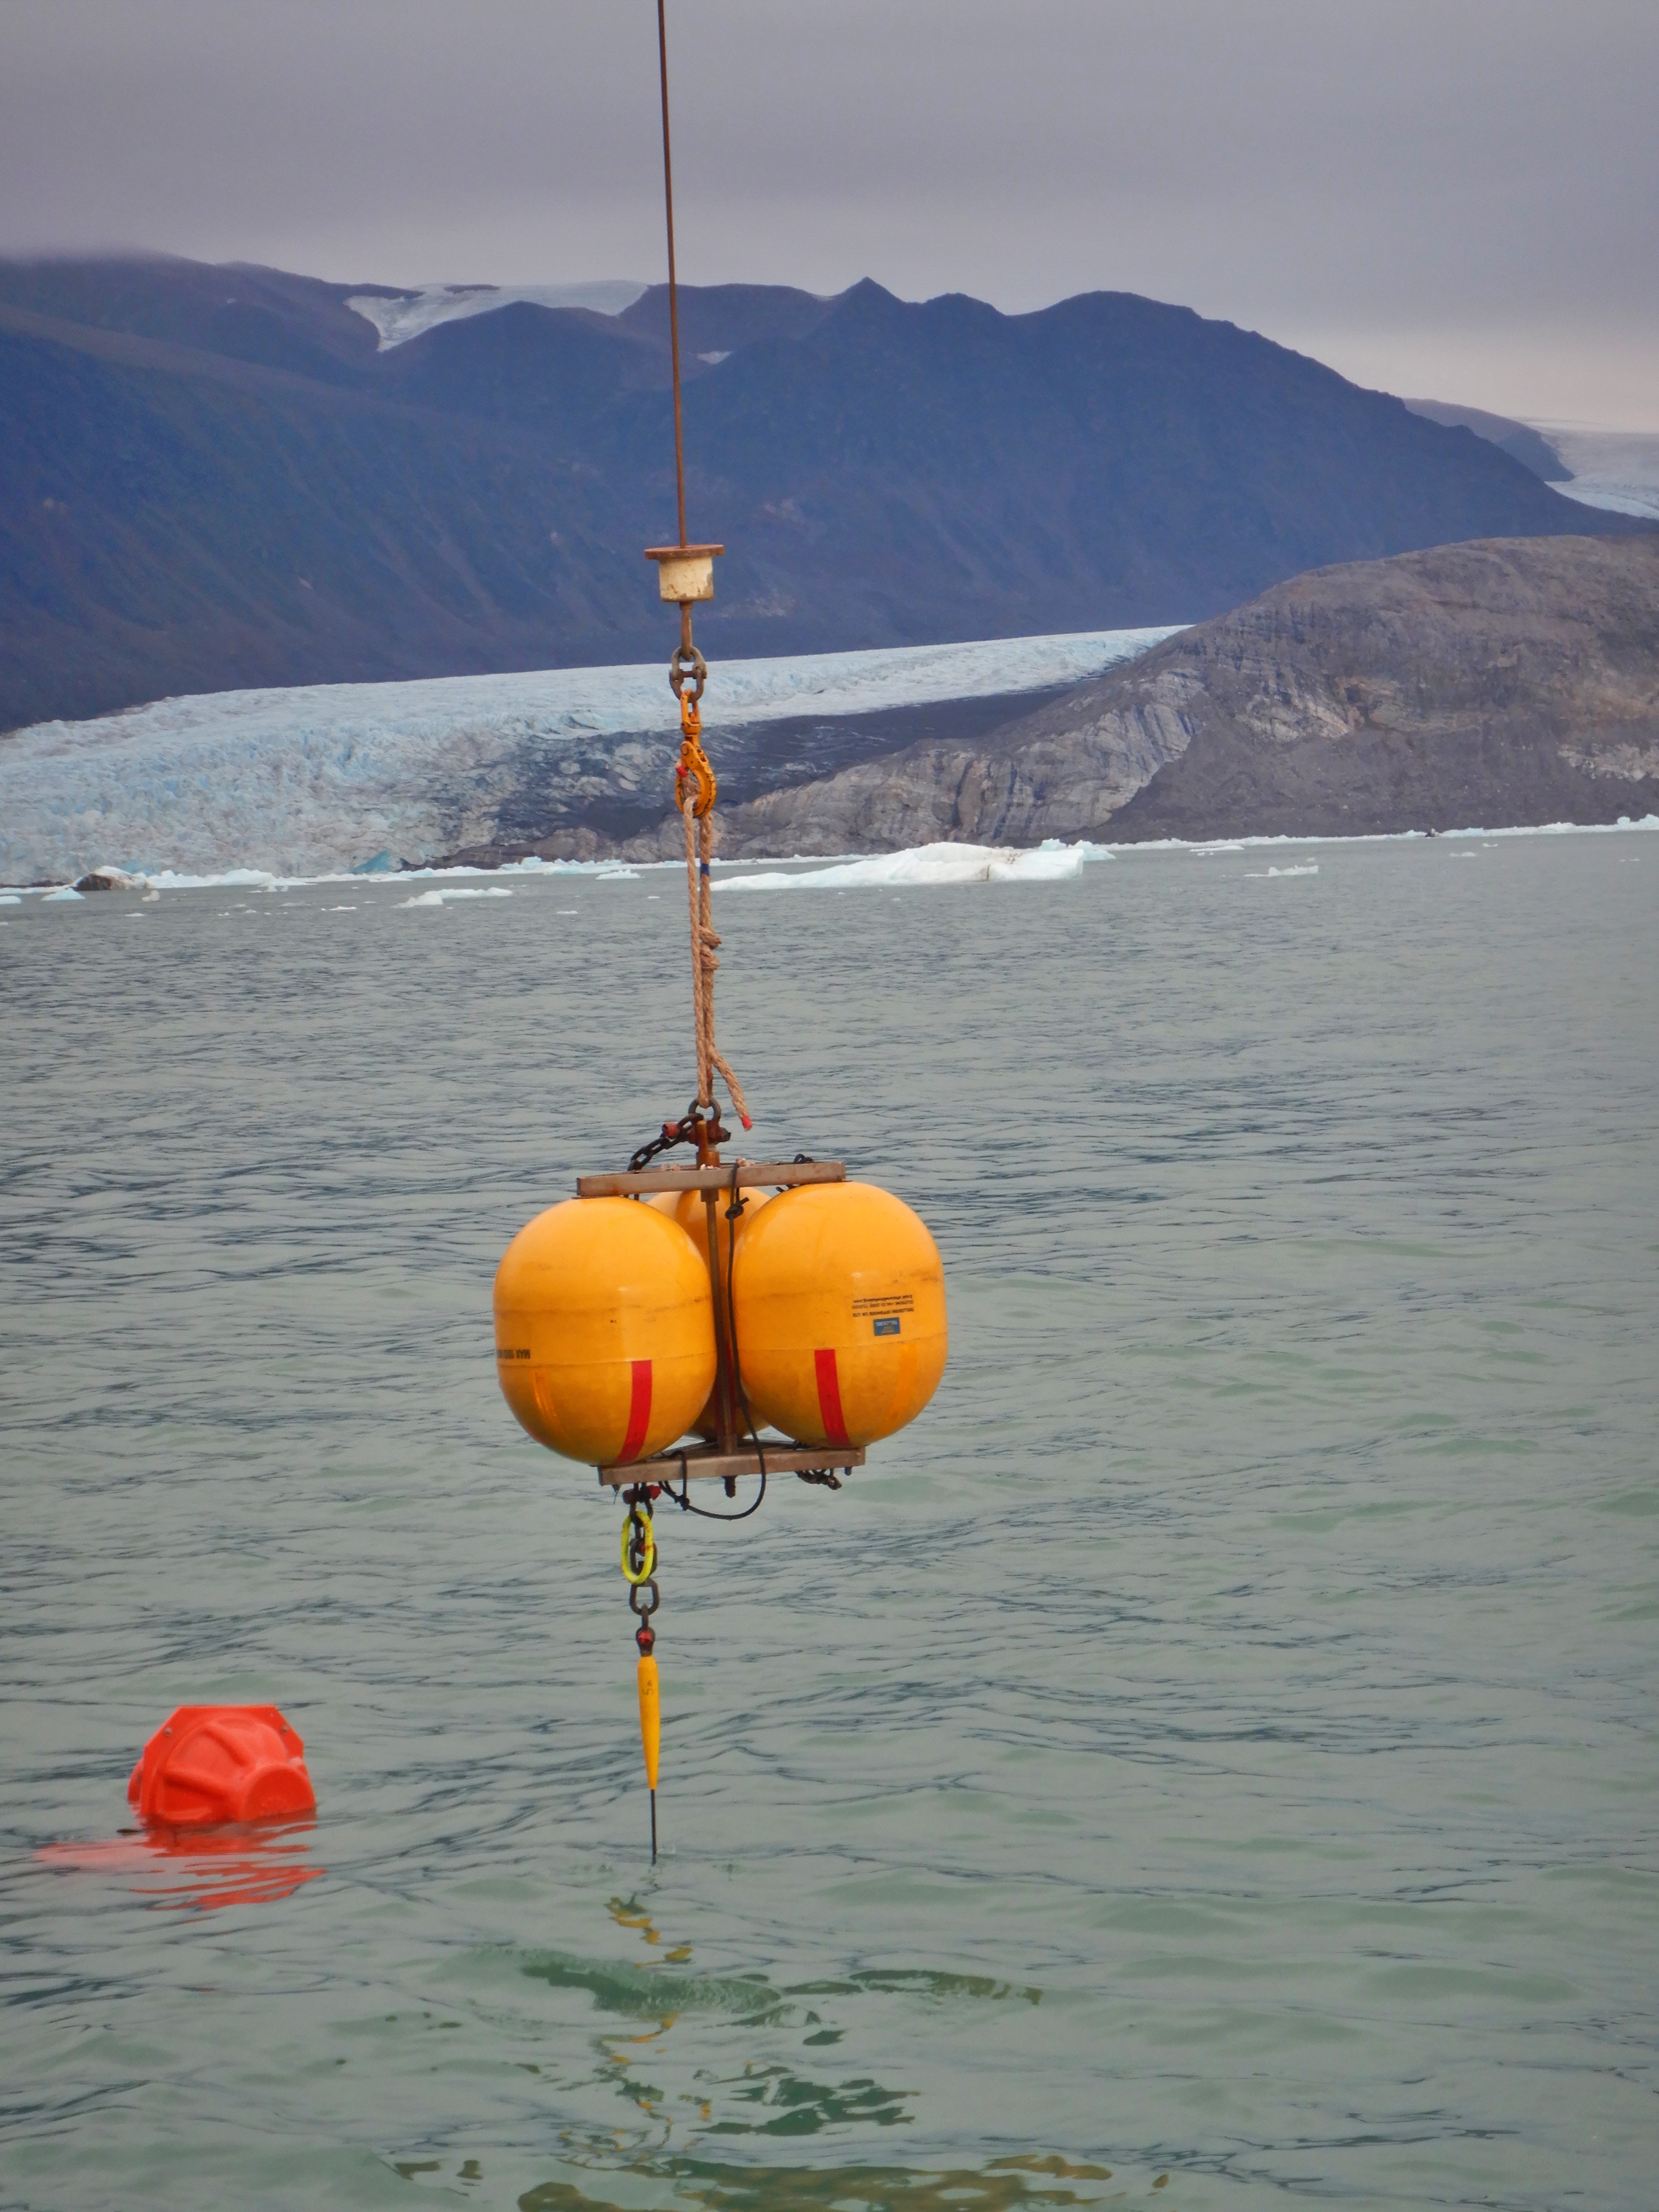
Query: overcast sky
x=1452 y=198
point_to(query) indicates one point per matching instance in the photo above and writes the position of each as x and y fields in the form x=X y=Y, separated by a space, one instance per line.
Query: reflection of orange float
x=198 y=1869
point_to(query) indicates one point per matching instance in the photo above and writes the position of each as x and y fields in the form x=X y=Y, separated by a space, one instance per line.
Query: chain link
x=688 y=668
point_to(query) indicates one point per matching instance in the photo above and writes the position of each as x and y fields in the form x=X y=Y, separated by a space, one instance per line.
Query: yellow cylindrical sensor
x=839 y=1292
x=650 y=1716
x=605 y=1330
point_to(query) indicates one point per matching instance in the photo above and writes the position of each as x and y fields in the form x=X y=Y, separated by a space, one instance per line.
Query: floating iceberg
x=923 y=866
x=442 y=898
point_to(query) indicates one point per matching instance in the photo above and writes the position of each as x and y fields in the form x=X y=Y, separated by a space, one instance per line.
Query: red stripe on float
x=835 y=1421
x=639 y=1412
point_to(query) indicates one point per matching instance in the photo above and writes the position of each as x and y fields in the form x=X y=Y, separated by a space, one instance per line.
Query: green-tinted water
x=1218 y=1743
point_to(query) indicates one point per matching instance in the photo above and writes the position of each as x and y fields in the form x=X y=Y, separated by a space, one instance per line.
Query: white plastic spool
x=684 y=573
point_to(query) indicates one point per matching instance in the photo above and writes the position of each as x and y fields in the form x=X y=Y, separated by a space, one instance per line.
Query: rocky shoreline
x=574 y=809
x=1506 y=681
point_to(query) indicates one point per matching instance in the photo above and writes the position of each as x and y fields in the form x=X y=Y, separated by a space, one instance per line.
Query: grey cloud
x=1485 y=169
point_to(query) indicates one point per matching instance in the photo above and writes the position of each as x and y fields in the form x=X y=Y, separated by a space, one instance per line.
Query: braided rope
x=705 y=946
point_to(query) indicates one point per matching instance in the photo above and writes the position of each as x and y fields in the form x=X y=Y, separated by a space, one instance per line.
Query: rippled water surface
x=1209 y=1759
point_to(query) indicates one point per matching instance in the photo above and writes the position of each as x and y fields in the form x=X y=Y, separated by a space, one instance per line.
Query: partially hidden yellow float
x=734 y=1318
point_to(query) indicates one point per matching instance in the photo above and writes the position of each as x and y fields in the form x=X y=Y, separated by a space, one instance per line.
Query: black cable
x=703 y=1511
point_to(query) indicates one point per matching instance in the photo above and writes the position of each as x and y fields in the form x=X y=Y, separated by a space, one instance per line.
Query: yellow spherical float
x=688 y=1208
x=605 y=1330
x=839 y=1295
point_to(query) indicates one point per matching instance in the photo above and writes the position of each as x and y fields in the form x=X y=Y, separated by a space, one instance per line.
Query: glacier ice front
x=324 y=778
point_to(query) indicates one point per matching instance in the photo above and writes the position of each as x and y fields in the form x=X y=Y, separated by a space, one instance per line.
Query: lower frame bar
x=700 y=1462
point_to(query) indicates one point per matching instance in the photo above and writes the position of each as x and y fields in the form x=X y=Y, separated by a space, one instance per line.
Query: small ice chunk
x=441 y=898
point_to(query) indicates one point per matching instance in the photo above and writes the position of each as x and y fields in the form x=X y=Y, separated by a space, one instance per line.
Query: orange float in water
x=209 y=1764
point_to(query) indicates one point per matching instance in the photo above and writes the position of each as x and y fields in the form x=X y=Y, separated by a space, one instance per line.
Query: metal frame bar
x=699 y=1463
x=773 y=1173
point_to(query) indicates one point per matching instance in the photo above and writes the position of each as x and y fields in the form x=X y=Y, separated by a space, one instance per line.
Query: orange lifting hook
x=694 y=763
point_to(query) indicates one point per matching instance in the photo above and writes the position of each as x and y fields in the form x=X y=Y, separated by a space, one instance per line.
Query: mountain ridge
x=211 y=479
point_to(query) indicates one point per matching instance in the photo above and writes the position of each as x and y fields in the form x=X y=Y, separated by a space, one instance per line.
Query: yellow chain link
x=648 y=1556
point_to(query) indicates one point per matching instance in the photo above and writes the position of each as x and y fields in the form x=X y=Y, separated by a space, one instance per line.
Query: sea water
x=1208 y=1761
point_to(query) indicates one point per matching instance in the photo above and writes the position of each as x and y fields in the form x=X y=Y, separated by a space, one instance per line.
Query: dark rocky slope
x=212 y=477
x=1505 y=681
x=1520 y=440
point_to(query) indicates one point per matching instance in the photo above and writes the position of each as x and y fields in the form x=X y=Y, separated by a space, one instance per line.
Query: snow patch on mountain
x=406 y=315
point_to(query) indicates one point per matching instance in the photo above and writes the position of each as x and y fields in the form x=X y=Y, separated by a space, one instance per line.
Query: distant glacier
x=322 y=777
x=1616 y=469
